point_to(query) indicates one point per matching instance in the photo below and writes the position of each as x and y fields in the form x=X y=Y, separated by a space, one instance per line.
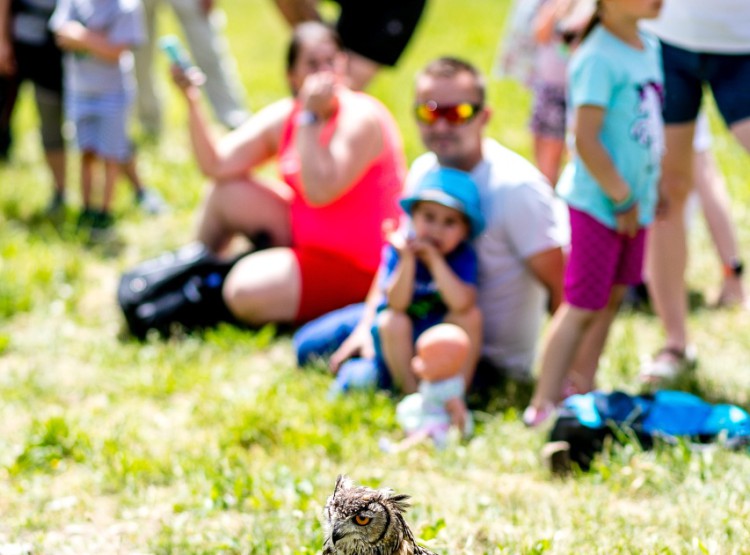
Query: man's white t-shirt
x=523 y=219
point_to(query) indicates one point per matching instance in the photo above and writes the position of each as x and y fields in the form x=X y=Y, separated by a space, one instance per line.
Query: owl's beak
x=338 y=532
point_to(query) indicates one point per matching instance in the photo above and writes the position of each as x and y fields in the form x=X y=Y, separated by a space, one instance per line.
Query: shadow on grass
x=637 y=300
x=494 y=393
x=61 y=226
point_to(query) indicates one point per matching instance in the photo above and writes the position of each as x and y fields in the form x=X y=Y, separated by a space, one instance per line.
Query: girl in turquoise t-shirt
x=610 y=185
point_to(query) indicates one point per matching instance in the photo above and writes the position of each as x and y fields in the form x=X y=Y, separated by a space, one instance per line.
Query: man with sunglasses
x=520 y=252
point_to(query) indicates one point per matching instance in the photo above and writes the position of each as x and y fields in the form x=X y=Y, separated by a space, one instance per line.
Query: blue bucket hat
x=452 y=188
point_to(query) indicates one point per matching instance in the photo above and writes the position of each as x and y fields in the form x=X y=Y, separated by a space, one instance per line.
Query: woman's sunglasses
x=455 y=114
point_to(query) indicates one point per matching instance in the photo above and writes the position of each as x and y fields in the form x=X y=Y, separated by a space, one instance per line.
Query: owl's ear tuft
x=401 y=501
x=342 y=482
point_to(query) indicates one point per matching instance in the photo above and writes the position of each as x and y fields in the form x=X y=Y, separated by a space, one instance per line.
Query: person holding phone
x=340 y=157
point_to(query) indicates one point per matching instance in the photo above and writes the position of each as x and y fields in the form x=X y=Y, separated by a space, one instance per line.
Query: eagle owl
x=364 y=521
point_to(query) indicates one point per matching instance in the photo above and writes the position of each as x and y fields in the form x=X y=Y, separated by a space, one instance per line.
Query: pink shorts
x=329 y=282
x=600 y=258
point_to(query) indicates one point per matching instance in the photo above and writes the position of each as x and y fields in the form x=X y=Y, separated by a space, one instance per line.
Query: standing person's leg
x=8 y=93
x=148 y=102
x=666 y=254
x=600 y=258
x=57 y=163
x=714 y=200
x=567 y=330
x=729 y=78
x=582 y=373
x=111 y=173
x=548 y=129
x=113 y=144
x=88 y=161
x=628 y=272
x=211 y=53
x=50 y=107
x=85 y=123
x=146 y=198
x=376 y=34
x=548 y=153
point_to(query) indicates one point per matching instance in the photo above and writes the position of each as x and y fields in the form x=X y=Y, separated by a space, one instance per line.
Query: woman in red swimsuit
x=341 y=162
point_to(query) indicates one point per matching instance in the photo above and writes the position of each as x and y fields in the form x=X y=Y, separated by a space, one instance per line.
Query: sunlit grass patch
x=214 y=442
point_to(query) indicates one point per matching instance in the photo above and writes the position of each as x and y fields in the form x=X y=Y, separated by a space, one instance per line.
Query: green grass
x=216 y=443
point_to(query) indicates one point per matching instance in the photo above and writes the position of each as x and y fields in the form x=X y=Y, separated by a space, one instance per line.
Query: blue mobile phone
x=174 y=50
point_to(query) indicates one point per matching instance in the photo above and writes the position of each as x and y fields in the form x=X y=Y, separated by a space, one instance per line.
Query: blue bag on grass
x=585 y=421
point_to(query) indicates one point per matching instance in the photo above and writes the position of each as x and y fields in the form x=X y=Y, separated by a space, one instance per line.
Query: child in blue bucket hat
x=428 y=276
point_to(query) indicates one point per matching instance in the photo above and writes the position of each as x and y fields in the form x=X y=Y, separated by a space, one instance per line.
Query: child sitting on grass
x=429 y=274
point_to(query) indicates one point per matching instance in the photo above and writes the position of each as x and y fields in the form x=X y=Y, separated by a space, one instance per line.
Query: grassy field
x=216 y=443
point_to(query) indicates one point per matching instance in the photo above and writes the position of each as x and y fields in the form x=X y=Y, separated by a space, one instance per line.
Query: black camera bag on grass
x=181 y=287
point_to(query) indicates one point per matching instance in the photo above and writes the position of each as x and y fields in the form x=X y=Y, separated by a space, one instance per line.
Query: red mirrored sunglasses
x=455 y=114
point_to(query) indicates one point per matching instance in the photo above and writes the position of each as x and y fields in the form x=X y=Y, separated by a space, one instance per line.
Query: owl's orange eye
x=362 y=520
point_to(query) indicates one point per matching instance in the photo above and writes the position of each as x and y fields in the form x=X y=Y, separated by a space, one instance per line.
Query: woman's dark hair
x=596 y=19
x=309 y=31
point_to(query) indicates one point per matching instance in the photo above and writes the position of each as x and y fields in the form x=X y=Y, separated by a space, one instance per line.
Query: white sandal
x=668 y=364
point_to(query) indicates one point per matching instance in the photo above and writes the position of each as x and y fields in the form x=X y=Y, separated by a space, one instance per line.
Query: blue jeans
x=322 y=336
x=319 y=338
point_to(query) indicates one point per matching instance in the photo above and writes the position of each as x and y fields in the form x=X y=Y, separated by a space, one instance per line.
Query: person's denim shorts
x=686 y=72
x=101 y=122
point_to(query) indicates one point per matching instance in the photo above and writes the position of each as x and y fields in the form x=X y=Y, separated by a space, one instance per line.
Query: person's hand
x=187 y=80
x=7 y=58
x=397 y=238
x=72 y=36
x=359 y=343
x=318 y=93
x=426 y=251
x=627 y=222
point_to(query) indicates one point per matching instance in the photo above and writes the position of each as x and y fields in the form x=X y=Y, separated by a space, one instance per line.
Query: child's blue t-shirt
x=628 y=84
x=426 y=300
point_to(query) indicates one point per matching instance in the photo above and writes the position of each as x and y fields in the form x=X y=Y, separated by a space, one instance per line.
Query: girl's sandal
x=534 y=417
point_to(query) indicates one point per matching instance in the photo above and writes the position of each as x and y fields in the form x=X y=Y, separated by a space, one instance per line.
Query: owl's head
x=363 y=520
